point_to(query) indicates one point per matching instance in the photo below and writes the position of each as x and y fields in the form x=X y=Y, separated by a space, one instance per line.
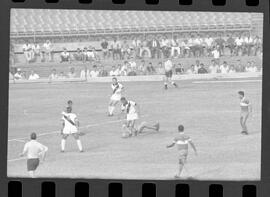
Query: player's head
x=69 y=103
x=241 y=94
x=33 y=136
x=180 y=128
x=124 y=100
x=114 y=80
x=69 y=109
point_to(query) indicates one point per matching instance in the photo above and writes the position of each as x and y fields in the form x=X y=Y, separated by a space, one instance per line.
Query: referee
x=34 y=150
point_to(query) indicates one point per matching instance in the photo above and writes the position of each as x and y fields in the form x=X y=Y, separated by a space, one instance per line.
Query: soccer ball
x=125 y=135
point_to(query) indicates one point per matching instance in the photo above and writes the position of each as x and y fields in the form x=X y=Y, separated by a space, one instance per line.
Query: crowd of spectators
x=131 y=68
x=153 y=46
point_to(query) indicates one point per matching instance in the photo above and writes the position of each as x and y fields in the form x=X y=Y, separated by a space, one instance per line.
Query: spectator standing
x=104 y=45
x=150 y=69
x=231 y=45
x=239 y=43
x=155 y=48
x=78 y=56
x=48 y=49
x=175 y=47
x=216 y=53
x=27 y=50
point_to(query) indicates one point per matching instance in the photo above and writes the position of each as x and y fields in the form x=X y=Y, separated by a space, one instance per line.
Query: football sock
x=63 y=143
x=79 y=145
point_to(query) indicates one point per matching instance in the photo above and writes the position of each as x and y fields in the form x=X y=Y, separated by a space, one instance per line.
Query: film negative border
x=133 y=188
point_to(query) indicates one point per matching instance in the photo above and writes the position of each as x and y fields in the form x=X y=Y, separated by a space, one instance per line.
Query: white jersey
x=33 y=149
x=117 y=91
x=70 y=123
x=168 y=65
x=130 y=109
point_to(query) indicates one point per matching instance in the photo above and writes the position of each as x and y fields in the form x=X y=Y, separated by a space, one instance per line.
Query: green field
x=209 y=112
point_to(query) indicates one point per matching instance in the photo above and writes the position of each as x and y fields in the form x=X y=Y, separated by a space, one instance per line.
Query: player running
x=35 y=152
x=182 y=141
x=246 y=109
x=168 y=66
x=116 y=95
x=70 y=125
x=132 y=111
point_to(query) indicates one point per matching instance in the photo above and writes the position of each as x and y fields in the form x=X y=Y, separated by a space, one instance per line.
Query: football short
x=69 y=131
x=244 y=114
x=32 y=164
x=116 y=97
x=133 y=116
x=169 y=74
x=182 y=158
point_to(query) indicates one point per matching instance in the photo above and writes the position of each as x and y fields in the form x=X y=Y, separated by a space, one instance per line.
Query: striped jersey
x=117 y=88
x=182 y=141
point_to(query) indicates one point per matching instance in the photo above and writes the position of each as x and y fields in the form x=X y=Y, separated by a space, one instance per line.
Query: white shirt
x=129 y=107
x=33 y=77
x=114 y=72
x=133 y=64
x=117 y=88
x=47 y=46
x=224 y=69
x=168 y=65
x=69 y=126
x=17 y=76
x=238 y=41
x=94 y=73
x=90 y=54
x=216 y=54
x=65 y=54
x=213 y=69
x=209 y=41
x=33 y=149
x=26 y=47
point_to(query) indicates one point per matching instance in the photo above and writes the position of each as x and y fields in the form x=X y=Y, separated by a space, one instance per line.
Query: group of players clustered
x=36 y=152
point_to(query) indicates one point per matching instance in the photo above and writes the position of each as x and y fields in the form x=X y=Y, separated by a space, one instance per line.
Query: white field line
x=23 y=140
x=230 y=81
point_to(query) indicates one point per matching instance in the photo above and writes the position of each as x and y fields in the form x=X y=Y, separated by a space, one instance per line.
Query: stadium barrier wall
x=147 y=78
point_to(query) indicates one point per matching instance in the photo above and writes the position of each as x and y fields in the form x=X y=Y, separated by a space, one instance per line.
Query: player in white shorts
x=70 y=125
x=168 y=67
x=132 y=111
x=116 y=95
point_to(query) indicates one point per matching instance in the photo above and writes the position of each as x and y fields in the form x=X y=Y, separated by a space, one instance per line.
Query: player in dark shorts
x=182 y=141
x=34 y=151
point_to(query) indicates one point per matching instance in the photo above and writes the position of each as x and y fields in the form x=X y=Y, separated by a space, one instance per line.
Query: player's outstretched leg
x=111 y=108
x=126 y=132
x=145 y=125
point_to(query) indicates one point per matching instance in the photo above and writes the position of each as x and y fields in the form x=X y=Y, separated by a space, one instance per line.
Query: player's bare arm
x=193 y=146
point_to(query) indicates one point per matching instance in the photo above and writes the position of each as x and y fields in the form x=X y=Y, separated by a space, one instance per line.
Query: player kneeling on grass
x=132 y=110
x=116 y=95
x=35 y=152
x=70 y=125
x=182 y=141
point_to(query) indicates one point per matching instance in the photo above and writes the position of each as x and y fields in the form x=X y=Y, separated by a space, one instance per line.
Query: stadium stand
x=73 y=29
x=37 y=22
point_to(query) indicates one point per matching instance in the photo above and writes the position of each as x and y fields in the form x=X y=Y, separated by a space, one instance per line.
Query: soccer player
x=132 y=111
x=168 y=66
x=116 y=95
x=34 y=151
x=182 y=141
x=70 y=125
x=246 y=109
